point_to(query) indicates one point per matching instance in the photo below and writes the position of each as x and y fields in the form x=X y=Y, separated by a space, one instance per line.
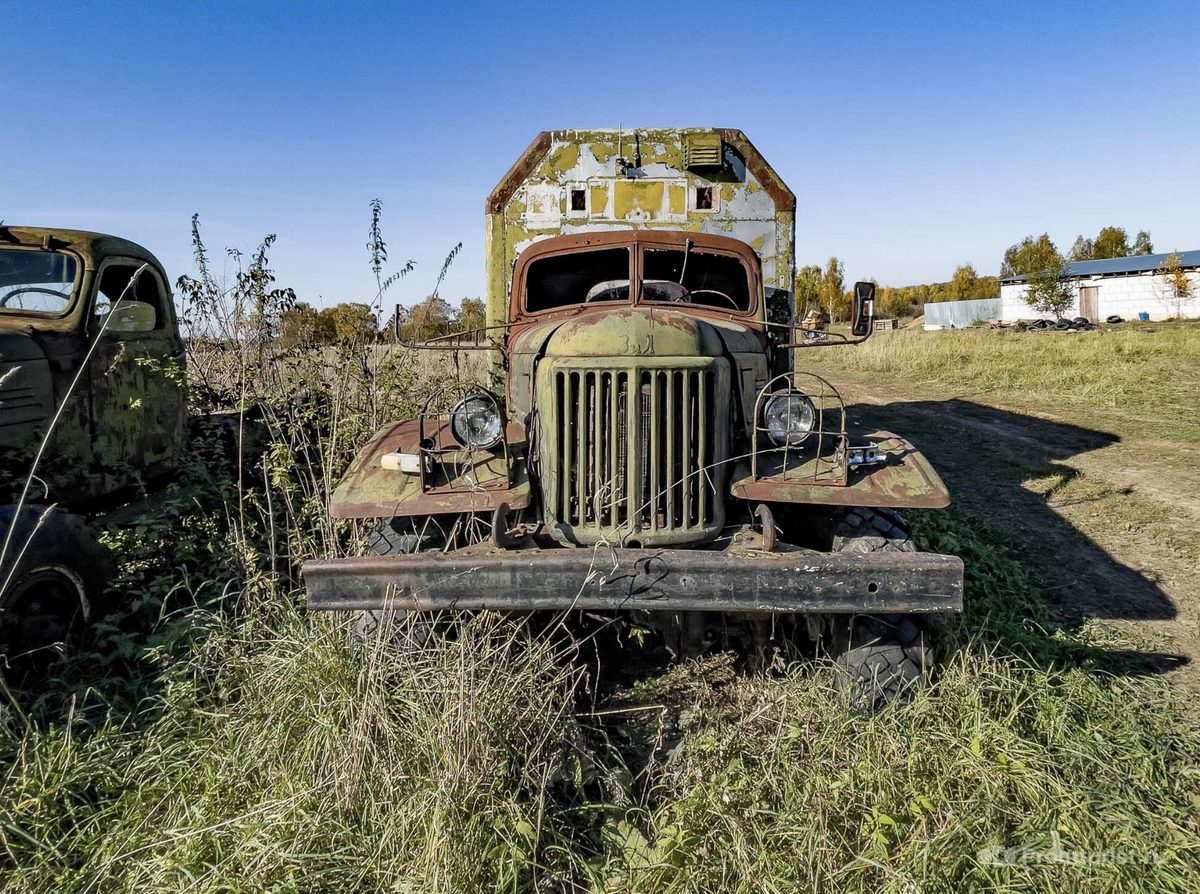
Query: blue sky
x=916 y=137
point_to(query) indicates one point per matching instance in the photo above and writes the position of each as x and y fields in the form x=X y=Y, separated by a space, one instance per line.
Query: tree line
x=824 y=287
x=816 y=287
x=304 y=325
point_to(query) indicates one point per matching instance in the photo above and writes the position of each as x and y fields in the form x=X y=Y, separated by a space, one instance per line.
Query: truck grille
x=636 y=454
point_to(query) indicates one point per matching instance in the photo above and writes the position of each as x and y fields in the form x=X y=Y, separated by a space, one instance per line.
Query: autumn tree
x=1112 y=242
x=1084 y=249
x=471 y=315
x=354 y=322
x=1176 y=285
x=1048 y=289
x=964 y=283
x=1022 y=255
x=303 y=325
x=832 y=289
x=298 y=326
x=808 y=288
x=430 y=318
x=897 y=302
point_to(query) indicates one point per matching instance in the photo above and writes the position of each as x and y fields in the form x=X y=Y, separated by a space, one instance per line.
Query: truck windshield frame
x=13 y=280
x=716 y=277
x=702 y=277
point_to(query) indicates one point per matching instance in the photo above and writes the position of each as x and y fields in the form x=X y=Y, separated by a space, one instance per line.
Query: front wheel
x=52 y=583
x=392 y=629
x=877 y=658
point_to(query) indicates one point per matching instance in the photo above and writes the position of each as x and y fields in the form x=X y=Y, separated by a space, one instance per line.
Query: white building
x=1123 y=287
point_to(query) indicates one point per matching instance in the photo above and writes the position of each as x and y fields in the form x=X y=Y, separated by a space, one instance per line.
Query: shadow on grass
x=1001 y=528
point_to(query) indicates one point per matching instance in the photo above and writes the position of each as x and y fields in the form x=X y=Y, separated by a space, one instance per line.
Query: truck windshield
x=35 y=281
x=695 y=277
x=578 y=277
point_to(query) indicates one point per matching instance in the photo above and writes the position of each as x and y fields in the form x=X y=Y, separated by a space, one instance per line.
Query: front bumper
x=601 y=578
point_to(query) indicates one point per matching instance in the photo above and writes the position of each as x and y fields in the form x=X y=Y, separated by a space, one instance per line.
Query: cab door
x=137 y=376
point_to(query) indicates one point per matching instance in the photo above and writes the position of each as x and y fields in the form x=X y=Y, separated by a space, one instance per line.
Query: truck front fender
x=906 y=480
x=368 y=490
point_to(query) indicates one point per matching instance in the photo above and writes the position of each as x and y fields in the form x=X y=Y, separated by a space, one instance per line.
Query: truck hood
x=634 y=331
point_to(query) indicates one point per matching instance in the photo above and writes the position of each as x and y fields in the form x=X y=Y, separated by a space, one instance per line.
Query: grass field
x=1143 y=382
x=215 y=738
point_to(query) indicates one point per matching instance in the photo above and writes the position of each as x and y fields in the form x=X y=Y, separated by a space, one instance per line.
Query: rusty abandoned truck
x=91 y=353
x=648 y=441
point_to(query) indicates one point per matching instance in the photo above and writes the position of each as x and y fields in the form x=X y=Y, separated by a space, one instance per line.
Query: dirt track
x=1109 y=522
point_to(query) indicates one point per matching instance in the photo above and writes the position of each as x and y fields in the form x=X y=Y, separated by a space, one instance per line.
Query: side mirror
x=864 y=309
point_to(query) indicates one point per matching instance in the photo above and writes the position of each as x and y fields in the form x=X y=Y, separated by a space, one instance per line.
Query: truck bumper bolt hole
x=872 y=587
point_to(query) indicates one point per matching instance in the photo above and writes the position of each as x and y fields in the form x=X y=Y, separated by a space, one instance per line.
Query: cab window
x=578 y=277
x=36 y=281
x=696 y=276
x=128 y=302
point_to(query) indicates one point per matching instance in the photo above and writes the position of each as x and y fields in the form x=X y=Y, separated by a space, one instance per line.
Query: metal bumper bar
x=654 y=580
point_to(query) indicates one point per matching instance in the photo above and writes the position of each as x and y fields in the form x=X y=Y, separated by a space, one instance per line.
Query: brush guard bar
x=791 y=580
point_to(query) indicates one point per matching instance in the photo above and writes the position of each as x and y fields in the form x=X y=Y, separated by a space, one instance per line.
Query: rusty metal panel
x=640 y=179
x=906 y=481
x=368 y=490
x=655 y=580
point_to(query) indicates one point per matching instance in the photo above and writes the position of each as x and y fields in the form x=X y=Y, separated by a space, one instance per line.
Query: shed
x=1123 y=287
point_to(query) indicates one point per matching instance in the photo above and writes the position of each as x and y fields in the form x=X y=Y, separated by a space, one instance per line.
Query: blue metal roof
x=1111 y=266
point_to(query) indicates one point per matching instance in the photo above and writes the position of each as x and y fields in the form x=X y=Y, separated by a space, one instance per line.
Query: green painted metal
x=122 y=425
x=653 y=189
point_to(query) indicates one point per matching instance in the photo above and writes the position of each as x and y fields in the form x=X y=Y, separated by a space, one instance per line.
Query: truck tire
x=863 y=530
x=51 y=583
x=390 y=629
x=877 y=657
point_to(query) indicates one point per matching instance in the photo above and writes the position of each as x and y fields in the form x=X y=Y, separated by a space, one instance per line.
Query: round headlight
x=789 y=417
x=475 y=422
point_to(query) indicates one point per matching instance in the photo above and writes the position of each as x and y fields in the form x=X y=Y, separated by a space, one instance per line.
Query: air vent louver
x=702 y=150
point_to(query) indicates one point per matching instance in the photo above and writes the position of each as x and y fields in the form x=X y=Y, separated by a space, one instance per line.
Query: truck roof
x=525 y=165
x=92 y=247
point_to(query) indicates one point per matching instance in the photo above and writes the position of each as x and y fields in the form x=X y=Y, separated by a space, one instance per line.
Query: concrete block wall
x=1126 y=296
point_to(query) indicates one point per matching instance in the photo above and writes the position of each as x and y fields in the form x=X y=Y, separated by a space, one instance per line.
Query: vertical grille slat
x=560 y=417
x=687 y=450
x=638 y=453
x=580 y=465
x=669 y=477
x=652 y=421
x=594 y=476
x=703 y=477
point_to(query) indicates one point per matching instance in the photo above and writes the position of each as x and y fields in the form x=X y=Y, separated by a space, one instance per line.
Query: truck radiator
x=638 y=453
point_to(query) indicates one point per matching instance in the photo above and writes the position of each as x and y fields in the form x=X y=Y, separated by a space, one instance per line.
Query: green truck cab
x=92 y=398
x=648 y=440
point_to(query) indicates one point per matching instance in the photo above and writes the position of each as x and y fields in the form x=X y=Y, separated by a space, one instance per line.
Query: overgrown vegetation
x=214 y=737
